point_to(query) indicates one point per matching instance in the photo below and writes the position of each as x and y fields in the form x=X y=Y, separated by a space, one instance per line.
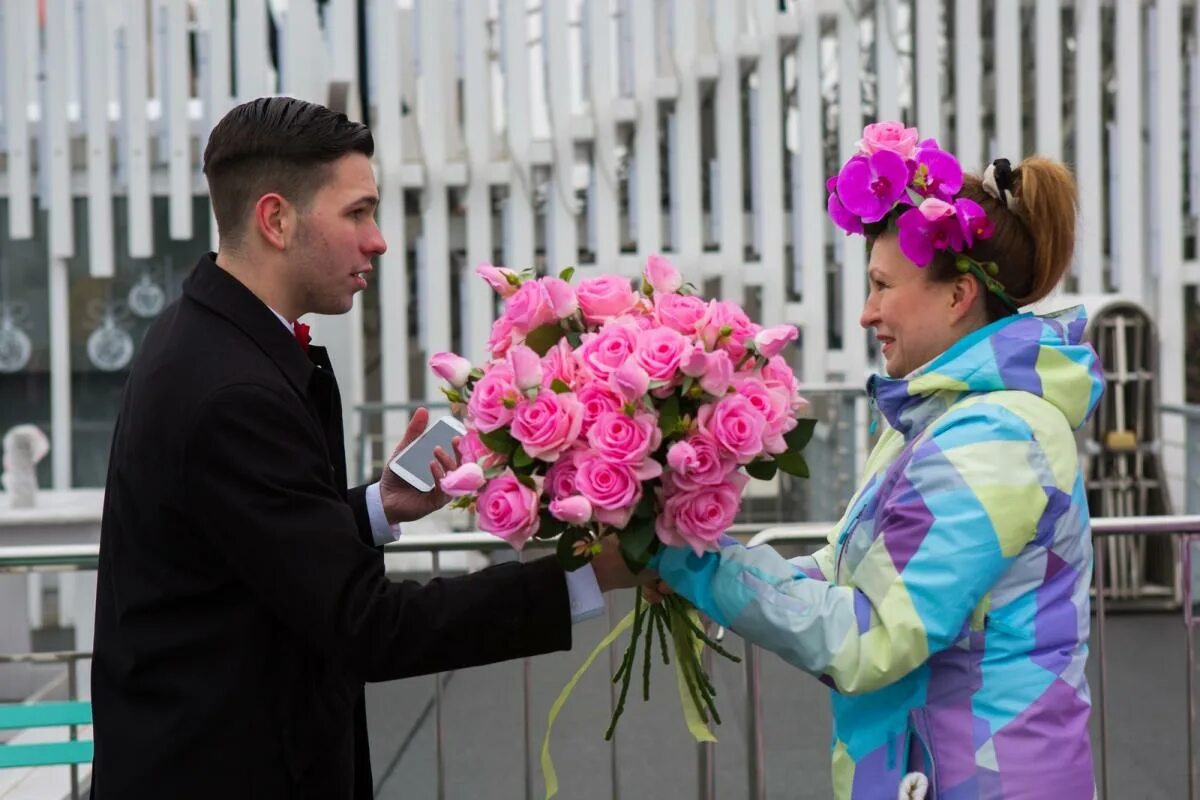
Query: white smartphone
x=412 y=463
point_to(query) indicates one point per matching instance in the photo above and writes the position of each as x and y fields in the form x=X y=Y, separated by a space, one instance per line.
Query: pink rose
x=463 y=480
x=561 y=296
x=771 y=341
x=890 y=136
x=725 y=325
x=503 y=281
x=613 y=489
x=718 y=373
x=659 y=351
x=559 y=364
x=661 y=276
x=572 y=510
x=604 y=351
x=774 y=406
x=530 y=307
x=776 y=370
x=526 y=367
x=560 y=478
x=622 y=439
x=697 y=518
x=508 y=509
x=549 y=425
x=698 y=461
x=472 y=448
x=604 y=297
x=451 y=368
x=630 y=381
x=679 y=312
x=597 y=399
x=736 y=425
x=493 y=399
x=502 y=336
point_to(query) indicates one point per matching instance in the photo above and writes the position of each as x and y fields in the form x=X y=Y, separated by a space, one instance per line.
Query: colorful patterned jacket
x=949 y=611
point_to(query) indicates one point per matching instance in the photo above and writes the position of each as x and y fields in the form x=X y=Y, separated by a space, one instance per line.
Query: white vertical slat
x=1129 y=198
x=887 y=59
x=1168 y=189
x=57 y=132
x=393 y=280
x=16 y=120
x=519 y=233
x=179 y=137
x=434 y=116
x=477 y=117
x=602 y=92
x=1048 y=66
x=811 y=195
x=685 y=154
x=854 y=261
x=647 y=215
x=928 y=76
x=19 y=170
x=968 y=52
x=304 y=55
x=99 y=165
x=1008 y=105
x=216 y=69
x=770 y=133
x=251 y=44
x=1089 y=129
x=139 y=213
x=562 y=249
x=1192 y=115
x=60 y=367
x=729 y=206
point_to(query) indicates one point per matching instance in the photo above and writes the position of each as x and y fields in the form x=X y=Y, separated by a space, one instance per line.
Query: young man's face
x=336 y=238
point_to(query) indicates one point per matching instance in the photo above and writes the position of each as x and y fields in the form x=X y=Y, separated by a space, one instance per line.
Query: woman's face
x=915 y=318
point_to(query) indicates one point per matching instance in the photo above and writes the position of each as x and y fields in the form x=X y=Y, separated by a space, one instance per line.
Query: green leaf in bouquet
x=792 y=464
x=574 y=338
x=558 y=387
x=525 y=480
x=549 y=527
x=668 y=415
x=575 y=548
x=637 y=543
x=476 y=373
x=499 y=441
x=451 y=394
x=567 y=274
x=543 y=337
x=763 y=470
x=800 y=435
x=521 y=459
x=645 y=507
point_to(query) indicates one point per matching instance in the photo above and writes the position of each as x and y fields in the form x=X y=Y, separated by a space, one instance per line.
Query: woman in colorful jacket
x=949 y=612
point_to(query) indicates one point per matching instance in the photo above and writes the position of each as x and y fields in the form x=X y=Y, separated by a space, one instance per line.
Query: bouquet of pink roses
x=609 y=412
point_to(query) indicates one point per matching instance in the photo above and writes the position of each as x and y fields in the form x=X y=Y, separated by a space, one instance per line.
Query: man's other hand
x=611 y=570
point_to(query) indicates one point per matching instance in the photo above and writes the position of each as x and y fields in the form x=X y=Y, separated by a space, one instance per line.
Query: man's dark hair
x=274 y=144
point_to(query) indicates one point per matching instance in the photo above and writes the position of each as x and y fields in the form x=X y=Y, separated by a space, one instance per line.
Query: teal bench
x=15 y=716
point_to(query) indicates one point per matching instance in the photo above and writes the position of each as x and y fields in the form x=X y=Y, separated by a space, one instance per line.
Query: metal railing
x=83 y=557
x=1187 y=528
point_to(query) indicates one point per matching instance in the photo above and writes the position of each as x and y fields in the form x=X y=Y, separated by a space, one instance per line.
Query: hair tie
x=998 y=182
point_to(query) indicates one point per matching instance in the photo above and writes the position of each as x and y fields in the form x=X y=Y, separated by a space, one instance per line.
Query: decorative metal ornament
x=110 y=347
x=15 y=347
x=146 y=298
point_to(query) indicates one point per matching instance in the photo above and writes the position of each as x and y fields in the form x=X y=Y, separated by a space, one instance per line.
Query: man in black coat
x=242 y=601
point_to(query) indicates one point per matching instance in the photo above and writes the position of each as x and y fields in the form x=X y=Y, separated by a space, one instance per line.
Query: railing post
x=754 y=739
x=73 y=694
x=1099 y=575
x=439 y=753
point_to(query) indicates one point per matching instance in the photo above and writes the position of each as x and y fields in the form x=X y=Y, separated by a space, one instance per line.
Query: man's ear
x=273 y=220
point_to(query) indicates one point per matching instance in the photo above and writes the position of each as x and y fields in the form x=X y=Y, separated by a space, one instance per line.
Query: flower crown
x=893 y=168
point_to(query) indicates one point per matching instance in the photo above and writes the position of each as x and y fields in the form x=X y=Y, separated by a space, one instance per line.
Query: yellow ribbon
x=691 y=715
x=548 y=763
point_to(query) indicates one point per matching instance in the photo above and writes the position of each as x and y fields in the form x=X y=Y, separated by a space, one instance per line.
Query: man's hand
x=611 y=571
x=404 y=503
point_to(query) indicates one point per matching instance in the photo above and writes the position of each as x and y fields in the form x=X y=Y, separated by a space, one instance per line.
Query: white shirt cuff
x=382 y=531
x=584 y=592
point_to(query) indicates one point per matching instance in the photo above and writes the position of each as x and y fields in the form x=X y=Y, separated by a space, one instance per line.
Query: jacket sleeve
x=261 y=490
x=964 y=505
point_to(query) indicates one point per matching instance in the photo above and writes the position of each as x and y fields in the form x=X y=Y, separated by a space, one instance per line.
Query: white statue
x=24 y=447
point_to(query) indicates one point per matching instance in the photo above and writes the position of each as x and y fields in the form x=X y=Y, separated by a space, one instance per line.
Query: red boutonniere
x=300 y=330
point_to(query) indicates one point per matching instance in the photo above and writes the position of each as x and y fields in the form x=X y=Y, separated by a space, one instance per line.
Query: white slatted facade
x=595 y=132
